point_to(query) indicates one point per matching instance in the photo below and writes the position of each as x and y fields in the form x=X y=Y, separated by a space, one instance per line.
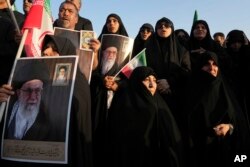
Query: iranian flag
x=137 y=61
x=38 y=23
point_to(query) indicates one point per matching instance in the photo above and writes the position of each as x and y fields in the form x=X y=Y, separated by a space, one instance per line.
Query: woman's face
x=200 y=31
x=145 y=33
x=164 y=30
x=211 y=67
x=50 y=50
x=150 y=83
x=112 y=24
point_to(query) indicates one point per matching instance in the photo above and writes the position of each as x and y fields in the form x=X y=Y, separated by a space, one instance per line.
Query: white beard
x=25 y=117
x=107 y=65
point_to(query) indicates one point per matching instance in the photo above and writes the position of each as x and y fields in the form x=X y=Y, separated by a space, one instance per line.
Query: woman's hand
x=110 y=83
x=222 y=129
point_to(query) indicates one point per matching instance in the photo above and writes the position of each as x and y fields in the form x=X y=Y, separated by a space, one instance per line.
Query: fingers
x=94 y=44
x=163 y=86
x=221 y=129
x=110 y=83
x=5 y=92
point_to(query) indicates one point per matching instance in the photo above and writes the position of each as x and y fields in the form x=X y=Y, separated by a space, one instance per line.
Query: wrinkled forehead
x=69 y=6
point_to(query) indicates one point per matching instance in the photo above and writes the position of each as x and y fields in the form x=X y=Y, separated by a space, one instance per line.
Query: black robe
x=99 y=98
x=209 y=45
x=141 y=130
x=170 y=61
x=208 y=102
x=8 y=49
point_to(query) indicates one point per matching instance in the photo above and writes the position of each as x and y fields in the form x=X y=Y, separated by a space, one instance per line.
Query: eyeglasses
x=30 y=1
x=164 y=24
x=145 y=30
x=111 y=52
x=29 y=91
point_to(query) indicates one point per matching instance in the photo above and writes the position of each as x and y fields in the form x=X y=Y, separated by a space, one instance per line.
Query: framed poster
x=115 y=52
x=84 y=39
x=36 y=124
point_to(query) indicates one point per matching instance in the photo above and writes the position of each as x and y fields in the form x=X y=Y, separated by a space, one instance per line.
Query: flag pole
x=18 y=55
x=13 y=16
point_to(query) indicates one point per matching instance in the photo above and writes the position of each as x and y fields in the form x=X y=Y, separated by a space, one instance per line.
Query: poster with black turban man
x=115 y=53
x=36 y=124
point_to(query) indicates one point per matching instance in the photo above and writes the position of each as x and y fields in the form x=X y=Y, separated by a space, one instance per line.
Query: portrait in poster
x=61 y=74
x=115 y=53
x=85 y=37
x=37 y=115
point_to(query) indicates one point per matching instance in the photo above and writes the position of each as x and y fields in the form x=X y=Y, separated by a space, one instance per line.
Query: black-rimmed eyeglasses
x=29 y=91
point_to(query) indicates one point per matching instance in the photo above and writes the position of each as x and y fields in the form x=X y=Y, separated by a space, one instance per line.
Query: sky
x=221 y=15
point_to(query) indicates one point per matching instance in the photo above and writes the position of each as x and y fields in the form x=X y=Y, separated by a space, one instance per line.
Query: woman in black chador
x=215 y=123
x=141 y=130
x=171 y=63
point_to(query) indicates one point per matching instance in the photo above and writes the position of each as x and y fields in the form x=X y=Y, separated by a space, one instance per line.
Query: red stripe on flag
x=34 y=18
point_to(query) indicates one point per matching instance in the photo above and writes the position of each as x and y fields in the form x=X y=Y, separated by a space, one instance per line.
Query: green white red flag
x=39 y=22
x=137 y=61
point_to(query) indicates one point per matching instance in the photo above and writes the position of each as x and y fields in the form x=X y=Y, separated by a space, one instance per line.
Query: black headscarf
x=165 y=53
x=63 y=45
x=208 y=103
x=141 y=129
x=139 y=43
x=206 y=43
x=235 y=36
x=182 y=39
x=120 y=31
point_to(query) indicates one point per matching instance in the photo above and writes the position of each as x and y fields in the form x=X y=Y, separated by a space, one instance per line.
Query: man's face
x=110 y=54
x=108 y=59
x=219 y=39
x=68 y=16
x=62 y=72
x=29 y=95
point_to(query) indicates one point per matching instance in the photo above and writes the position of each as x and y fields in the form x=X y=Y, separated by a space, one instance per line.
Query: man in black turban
x=28 y=119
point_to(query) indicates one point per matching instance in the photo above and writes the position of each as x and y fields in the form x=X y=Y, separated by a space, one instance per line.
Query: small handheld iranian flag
x=38 y=23
x=137 y=61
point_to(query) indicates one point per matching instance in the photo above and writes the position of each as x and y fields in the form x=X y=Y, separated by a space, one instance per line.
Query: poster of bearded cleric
x=115 y=53
x=36 y=123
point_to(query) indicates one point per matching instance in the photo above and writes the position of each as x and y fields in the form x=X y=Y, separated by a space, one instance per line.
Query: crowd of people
x=189 y=107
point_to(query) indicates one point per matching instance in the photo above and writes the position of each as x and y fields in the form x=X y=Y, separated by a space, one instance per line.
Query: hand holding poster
x=115 y=53
x=36 y=125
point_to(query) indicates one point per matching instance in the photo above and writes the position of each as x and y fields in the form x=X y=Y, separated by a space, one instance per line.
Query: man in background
x=219 y=37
